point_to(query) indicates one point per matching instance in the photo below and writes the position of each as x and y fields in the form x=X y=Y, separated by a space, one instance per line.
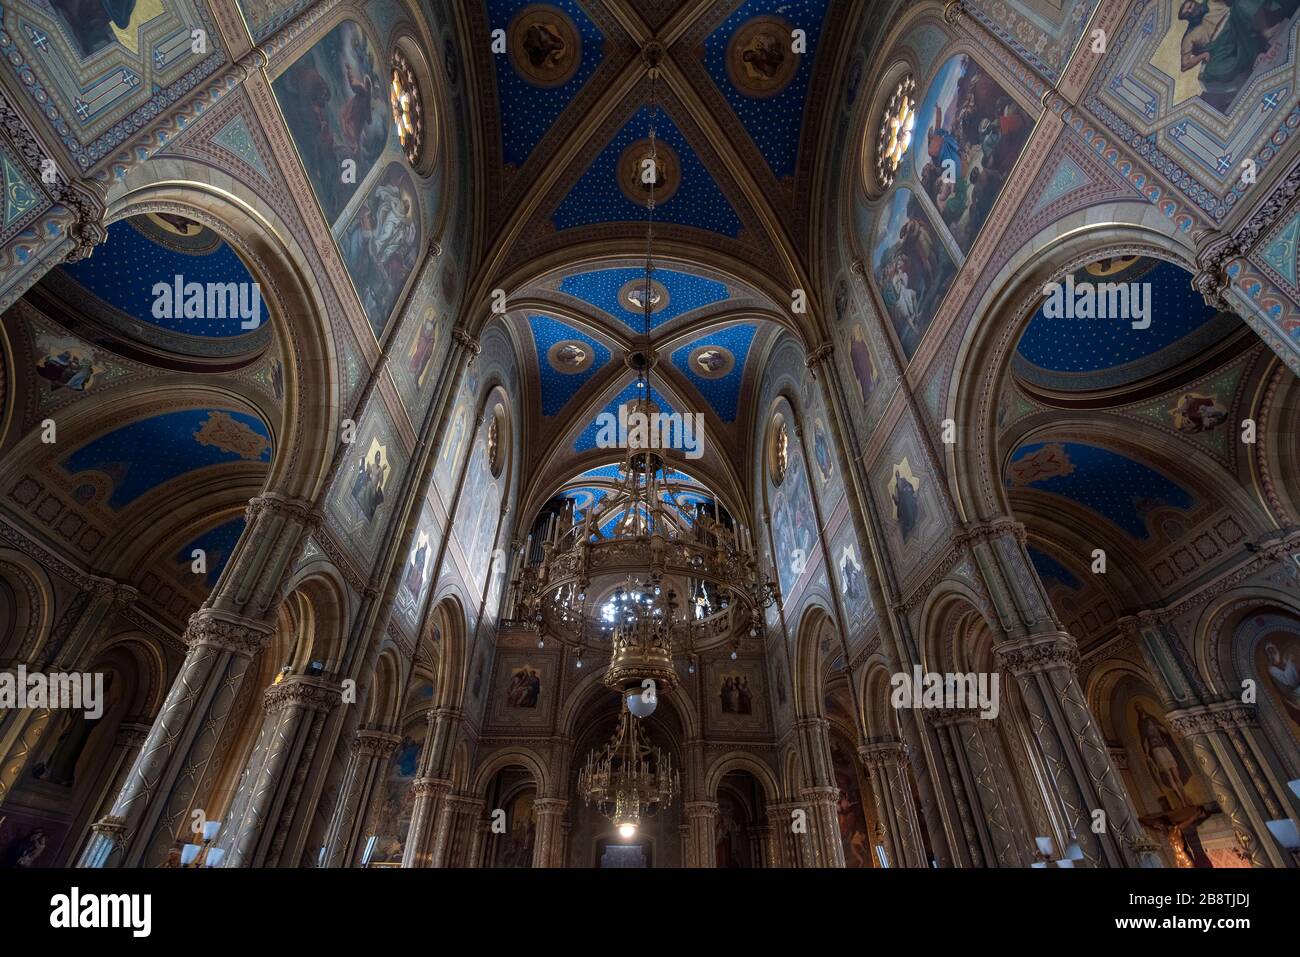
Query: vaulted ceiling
x=565 y=111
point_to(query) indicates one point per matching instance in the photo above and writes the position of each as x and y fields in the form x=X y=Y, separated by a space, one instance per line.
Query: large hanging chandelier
x=628 y=779
x=652 y=573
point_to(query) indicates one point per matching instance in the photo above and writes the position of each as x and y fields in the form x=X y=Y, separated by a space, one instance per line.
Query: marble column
x=293 y=709
x=1032 y=646
x=547 y=849
x=701 y=818
x=426 y=815
x=824 y=825
x=362 y=778
x=887 y=766
x=224 y=636
x=1226 y=739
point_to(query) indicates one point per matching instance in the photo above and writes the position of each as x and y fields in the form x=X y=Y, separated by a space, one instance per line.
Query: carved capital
x=699 y=809
x=304 y=692
x=242 y=636
x=296 y=510
x=112 y=828
x=818 y=356
x=989 y=531
x=554 y=806
x=132 y=734
x=1038 y=653
x=431 y=786
x=466 y=342
x=952 y=13
x=884 y=754
x=943 y=717
x=376 y=744
x=1209 y=718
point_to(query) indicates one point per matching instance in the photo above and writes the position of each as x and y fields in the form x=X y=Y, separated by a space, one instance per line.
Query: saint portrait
x=417 y=564
x=735 y=694
x=904 y=487
x=760 y=58
x=335 y=103
x=544 y=46
x=911 y=266
x=1277 y=660
x=1164 y=762
x=370 y=479
x=419 y=354
x=1219 y=42
x=524 y=689
x=380 y=244
x=1195 y=412
x=95 y=24
x=864 y=367
x=66 y=363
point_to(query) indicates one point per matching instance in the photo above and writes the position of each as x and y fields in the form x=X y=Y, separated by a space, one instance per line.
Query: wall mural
x=418 y=568
x=1274 y=647
x=136 y=458
x=396 y=800
x=974 y=132
x=335 y=102
x=515 y=847
x=907 y=499
x=381 y=243
x=479 y=510
x=456 y=439
x=361 y=497
x=850 y=808
x=794 y=523
x=736 y=695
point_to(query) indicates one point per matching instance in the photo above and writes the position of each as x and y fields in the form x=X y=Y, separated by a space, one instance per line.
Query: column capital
x=884 y=754
x=297 y=510
x=820 y=794
x=224 y=632
x=977 y=532
x=1042 y=652
x=1208 y=718
x=372 y=742
x=132 y=734
x=111 y=828
x=550 y=805
x=944 y=717
x=433 y=786
x=302 y=691
x=696 y=809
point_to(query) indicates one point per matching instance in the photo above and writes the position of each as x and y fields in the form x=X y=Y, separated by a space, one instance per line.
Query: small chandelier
x=629 y=779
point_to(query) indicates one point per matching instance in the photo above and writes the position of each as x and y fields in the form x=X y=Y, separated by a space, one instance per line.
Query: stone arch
x=511 y=756
x=814 y=623
x=984 y=351
x=319 y=609
x=742 y=761
x=879 y=718
x=454 y=660
x=27 y=591
x=300 y=306
x=383 y=701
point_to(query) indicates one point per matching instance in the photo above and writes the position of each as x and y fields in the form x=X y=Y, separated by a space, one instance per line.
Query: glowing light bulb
x=626 y=830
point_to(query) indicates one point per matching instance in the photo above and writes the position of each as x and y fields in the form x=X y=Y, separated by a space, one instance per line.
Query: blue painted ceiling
x=218 y=545
x=586 y=441
x=597 y=197
x=1108 y=483
x=686 y=292
x=143 y=455
x=775 y=122
x=123 y=271
x=529 y=110
x=1103 y=353
x=723 y=394
x=559 y=387
x=1051 y=571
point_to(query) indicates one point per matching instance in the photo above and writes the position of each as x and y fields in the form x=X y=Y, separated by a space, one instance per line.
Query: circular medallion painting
x=177 y=233
x=634 y=168
x=570 y=356
x=760 y=58
x=545 y=47
x=632 y=296
x=711 y=362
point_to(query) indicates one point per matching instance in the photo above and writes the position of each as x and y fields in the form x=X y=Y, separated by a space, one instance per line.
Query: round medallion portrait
x=711 y=362
x=760 y=58
x=570 y=356
x=178 y=233
x=634 y=172
x=544 y=45
x=632 y=296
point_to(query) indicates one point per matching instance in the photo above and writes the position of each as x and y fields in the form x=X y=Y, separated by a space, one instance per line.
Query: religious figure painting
x=912 y=267
x=1213 y=46
x=974 y=132
x=380 y=244
x=794 y=524
x=93 y=25
x=419 y=355
x=1277 y=662
x=1195 y=412
x=1170 y=780
x=525 y=688
x=397 y=799
x=735 y=694
x=852 y=815
x=515 y=847
x=903 y=488
x=864 y=366
x=335 y=103
x=369 y=480
x=416 y=566
x=66 y=363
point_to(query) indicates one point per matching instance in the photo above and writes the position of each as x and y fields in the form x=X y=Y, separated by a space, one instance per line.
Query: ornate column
x=701 y=817
x=224 y=636
x=824 y=825
x=1224 y=737
x=974 y=770
x=431 y=786
x=371 y=749
x=764 y=845
x=887 y=765
x=463 y=813
x=291 y=710
x=547 y=849
x=1034 y=648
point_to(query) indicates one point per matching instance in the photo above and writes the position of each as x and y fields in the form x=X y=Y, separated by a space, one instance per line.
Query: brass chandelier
x=609 y=580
